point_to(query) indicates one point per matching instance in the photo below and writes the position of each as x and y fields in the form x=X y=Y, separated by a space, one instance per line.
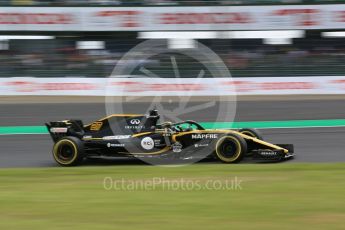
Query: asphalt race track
x=311 y=144
x=37 y=114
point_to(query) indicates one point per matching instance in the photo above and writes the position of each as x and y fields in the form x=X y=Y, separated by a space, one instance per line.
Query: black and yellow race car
x=142 y=136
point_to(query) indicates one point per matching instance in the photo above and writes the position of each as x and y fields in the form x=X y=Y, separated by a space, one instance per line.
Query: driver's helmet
x=151 y=119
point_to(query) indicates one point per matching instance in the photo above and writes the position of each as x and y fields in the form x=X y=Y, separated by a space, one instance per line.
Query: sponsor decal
x=268 y=153
x=200 y=145
x=109 y=145
x=193 y=18
x=303 y=16
x=117 y=137
x=87 y=137
x=287 y=85
x=205 y=136
x=147 y=143
x=176 y=147
x=134 y=127
x=124 y=18
x=134 y=122
x=54 y=85
x=58 y=130
x=175 y=86
x=96 y=126
x=23 y=18
x=158 y=142
x=166 y=134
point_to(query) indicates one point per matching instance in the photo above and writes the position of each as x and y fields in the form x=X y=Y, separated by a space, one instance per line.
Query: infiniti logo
x=135 y=122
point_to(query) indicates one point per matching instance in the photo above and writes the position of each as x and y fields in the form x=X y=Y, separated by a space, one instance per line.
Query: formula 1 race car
x=141 y=136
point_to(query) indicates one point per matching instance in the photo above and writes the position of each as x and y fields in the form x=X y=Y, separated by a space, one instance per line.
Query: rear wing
x=59 y=129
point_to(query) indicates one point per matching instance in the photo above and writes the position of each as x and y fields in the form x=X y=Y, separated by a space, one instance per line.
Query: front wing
x=274 y=154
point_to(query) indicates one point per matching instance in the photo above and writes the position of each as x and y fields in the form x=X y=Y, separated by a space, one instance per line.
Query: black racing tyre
x=252 y=133
x=68 y=151
x=231 y=148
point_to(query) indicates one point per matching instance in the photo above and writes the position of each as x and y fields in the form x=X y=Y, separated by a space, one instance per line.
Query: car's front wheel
x=231 y=148
x=68 y=151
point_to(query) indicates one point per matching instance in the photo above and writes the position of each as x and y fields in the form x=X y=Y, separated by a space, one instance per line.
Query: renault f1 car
x=142 y=136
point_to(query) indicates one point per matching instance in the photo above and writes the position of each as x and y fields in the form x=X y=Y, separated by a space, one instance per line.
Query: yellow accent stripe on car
x=93 y=138
x=265 y=143
x=165 y=149
x=141 y=134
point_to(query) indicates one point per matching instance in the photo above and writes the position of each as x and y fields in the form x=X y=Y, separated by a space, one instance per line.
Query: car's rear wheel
x=252 y=133
x=68 y=151
x=231 y=148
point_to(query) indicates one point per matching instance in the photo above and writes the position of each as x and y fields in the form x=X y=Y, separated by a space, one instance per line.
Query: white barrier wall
x=170 y=87
x=172 y=18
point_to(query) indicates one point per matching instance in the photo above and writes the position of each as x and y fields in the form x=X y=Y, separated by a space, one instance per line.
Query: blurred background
x=158 y=2
x=62 y=40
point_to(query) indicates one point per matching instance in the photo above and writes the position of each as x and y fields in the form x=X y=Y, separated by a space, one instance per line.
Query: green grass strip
x=199 y=196
x=11 y=130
